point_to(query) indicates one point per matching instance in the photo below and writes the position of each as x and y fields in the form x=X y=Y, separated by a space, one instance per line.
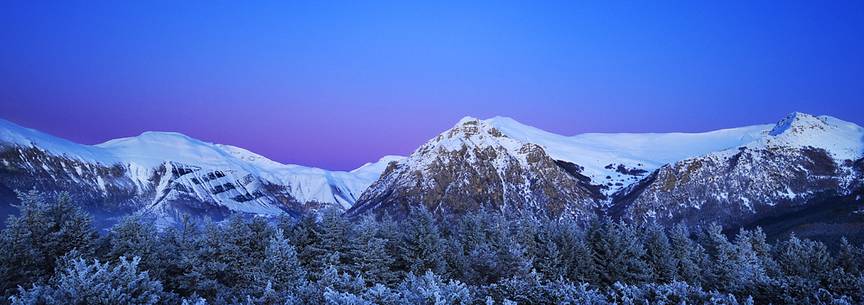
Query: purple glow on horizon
x=338 y=85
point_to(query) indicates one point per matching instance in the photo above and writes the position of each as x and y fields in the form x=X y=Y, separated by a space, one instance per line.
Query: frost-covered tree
x=225 y=258
x=135 y=236
x=658 y=254
x=617 y=253
x=323 y=244
x=670 y=293
x=524 y=289
x=568 y=293
x=751 y=271
x=689 y=256
x=382 y=295
x=304 y=235
x=45 y=229
x=726 y=271
x=576 y=253
x=421 y=247
x=841 y=283
x=431 y=289
x=487 y=248
x=95 y=283
x=280 y=268
x=178 y=246
x=503 y=259
x=548 y=258
x=804 y=258
x=763 y=250
x=850 y=257
x=333 y=233
x=369 y=257
x=332 y=297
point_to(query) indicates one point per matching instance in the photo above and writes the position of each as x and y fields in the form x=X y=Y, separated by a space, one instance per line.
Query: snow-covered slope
x=802 y=159
x=843 y=140
x=159 y=169
x=505 y=164
x=12 y=134
x=619 y=156
x=499 y=162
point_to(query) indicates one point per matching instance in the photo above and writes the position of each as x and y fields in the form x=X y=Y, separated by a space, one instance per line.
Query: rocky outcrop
x=473 y=166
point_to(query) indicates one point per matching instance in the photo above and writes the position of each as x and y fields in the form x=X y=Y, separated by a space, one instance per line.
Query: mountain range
x=168 y=174
x=804 y=172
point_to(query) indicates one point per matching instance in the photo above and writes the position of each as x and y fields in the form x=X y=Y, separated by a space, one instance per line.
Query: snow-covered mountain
x=169 y=173
x=502 y=164
x=734 y=176
x=616 y=160
x=801 y=160
x=475 y=165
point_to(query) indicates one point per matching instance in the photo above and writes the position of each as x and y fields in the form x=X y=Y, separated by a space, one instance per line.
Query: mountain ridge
x=497 y=163
x=157 y=166
x=633 y=176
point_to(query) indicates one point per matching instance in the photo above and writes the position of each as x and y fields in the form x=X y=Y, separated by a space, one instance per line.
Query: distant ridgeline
x=804 y=174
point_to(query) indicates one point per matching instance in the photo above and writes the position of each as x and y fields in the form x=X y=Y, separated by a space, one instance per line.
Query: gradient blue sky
x=336 y=84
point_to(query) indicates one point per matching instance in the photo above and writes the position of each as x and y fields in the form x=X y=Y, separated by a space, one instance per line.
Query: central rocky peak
x=474 y=165
x=471 y=132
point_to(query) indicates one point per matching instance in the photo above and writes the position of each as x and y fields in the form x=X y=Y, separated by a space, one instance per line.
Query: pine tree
x=759 y=243
x=564 y=292
x=617 y=253
x=751 y=274
x=369 y=257
x=488 y=249
x=177 y=248
x=724 y=274
x=137 y=237
x=576 y=253
x=523 y=289
x=45 y=229
x=330 y=244
x=849 y=257
x=433 y=290
x=334 y=280
x=421 y=247
x=343 y=298
x=688 y=255
x=225 y=258
x=804 y=258
x=382 y=295
x=658 y=254
x=304 y=235
x=96 y=283
x=549 y=260
x=280 y=268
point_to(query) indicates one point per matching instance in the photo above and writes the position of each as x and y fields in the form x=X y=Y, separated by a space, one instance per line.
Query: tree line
x=50 y=253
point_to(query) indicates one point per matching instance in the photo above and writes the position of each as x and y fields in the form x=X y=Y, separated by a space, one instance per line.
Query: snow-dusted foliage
x=475 y=258
x=44 y=230
x=95 y=283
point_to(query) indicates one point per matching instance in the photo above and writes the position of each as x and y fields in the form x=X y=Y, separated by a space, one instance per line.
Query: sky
x=336 y=84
